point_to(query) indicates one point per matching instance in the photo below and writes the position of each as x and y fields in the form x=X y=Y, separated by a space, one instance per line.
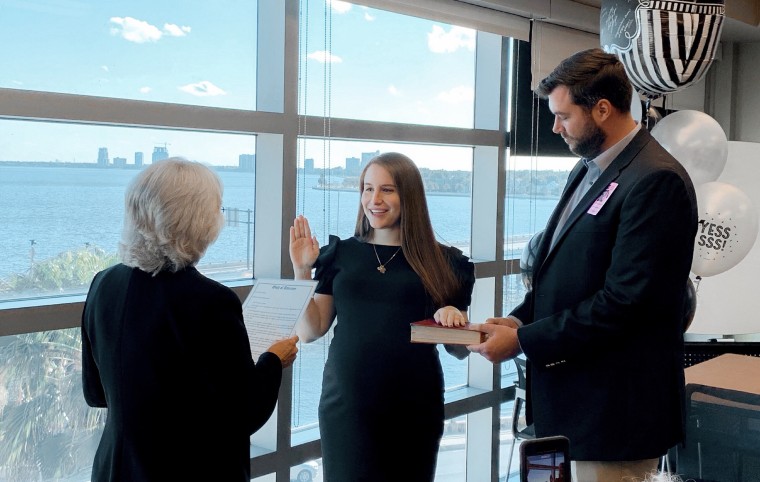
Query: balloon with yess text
x=728 y=223
x=697 y=141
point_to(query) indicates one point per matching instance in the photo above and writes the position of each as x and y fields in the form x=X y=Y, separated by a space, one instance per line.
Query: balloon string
x=646 y=111
x=696 y=285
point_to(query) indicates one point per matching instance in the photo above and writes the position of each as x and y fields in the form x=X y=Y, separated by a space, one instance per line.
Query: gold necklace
x=381 y=268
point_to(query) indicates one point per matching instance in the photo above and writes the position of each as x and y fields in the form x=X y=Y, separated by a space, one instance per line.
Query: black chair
x=722 y=442
x=520 y=429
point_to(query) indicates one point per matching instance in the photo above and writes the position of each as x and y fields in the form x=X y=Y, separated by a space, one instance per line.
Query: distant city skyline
x=351 y=164
x=522 y=183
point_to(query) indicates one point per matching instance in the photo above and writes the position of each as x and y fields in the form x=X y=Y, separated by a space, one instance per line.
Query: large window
x=328 y=189
x=534 y=185
x=363 y=63
x=328 y=195
x=62 y=191
x=192 y=52
x=46 y=431
x=111 y=88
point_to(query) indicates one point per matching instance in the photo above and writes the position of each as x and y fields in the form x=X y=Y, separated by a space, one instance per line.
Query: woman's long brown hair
x=417 y=237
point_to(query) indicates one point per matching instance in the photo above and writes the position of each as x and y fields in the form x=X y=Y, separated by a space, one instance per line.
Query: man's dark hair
x=590 y=75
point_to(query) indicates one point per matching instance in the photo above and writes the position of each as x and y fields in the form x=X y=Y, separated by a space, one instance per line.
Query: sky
x=377 y=65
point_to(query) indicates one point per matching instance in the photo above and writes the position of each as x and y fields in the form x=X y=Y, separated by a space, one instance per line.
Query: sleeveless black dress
x=381 y=407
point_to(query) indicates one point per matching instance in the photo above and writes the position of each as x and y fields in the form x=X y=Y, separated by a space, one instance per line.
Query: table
x=728 y=371
x=723 y=420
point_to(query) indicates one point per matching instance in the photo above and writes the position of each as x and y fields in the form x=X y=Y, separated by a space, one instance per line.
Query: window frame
x=275 y=125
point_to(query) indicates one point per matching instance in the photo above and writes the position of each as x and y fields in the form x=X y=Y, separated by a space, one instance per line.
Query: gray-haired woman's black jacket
x=169 y=357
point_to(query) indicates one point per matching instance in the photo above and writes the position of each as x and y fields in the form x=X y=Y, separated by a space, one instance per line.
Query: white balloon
x=696 y=140
x=636 y=110
x=728 y=224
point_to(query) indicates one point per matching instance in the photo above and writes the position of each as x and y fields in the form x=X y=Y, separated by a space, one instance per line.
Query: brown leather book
x=429 y=331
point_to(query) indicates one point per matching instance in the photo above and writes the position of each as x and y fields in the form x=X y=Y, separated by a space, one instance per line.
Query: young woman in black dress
x=381 y=408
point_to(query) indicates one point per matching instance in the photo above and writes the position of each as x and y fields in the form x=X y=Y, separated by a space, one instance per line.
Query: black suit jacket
x=169 y=357
x=604 y=319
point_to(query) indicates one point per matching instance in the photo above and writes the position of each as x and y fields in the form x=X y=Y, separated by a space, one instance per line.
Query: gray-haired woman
x=165 y=349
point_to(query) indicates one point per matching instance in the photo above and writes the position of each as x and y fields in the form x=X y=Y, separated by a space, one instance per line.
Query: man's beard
x=589 y=143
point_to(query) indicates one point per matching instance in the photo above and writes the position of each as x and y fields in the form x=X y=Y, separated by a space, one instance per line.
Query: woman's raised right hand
x=304 y=248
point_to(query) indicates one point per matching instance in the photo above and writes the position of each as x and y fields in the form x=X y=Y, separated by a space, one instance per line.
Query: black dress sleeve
x=464 y=270
x=325 y=266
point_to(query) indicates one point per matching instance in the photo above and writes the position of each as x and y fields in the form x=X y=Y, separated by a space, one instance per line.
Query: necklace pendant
x=381 y=265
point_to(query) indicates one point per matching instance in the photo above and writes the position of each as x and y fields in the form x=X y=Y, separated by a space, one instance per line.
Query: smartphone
x=545 y=459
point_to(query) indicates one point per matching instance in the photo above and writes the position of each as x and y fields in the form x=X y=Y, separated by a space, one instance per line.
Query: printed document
x=272 y=309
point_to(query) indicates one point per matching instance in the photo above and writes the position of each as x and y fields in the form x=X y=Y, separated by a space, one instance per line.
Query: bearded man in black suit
x=602 y=326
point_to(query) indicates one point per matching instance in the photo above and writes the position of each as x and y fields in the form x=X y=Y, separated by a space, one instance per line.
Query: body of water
x=45 y=211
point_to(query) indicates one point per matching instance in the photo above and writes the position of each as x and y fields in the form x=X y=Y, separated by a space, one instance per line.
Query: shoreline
x=429 y=193
x=435 y=193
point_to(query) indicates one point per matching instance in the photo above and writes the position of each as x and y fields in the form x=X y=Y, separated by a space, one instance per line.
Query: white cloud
x=104 y=68
x=145 y=90
x=393 y=90
x=339 y=6
x=202 y=89
x=440 y=41
x=134 y=30
x=457 y=95
x=322 y=56
x=368 y=17
x=175 y=30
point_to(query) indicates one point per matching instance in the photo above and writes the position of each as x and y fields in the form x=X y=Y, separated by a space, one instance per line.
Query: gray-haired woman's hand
x=286 y=350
